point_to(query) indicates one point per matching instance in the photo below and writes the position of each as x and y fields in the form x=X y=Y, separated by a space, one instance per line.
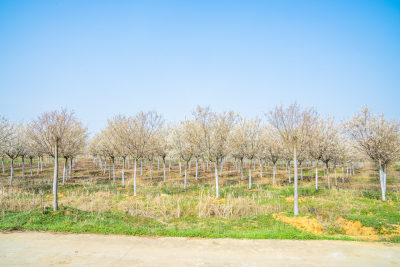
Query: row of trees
x=55 y=134
x=290 y=134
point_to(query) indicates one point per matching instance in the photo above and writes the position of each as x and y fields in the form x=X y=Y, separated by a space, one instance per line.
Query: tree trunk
x=72 y=163
x=12 y=171
x=216 y=180
x=123 y=172
x=30 y=161
x=342 y=173
x=165 y=177
x=109 y=170
x=241 y=169
x=327 y=176
x=180 y=168
x=250 y=175
x=296 y=193
x=151 y=170
x=134 y=179
x=55 y=179
x=290 y=178
x=197 y=165
x=141 y=167
x=273 y=174
x=261 y=170
x=70 y=168
x=113 y=166
x=185 y=181
x=37 y=171
x=2 y=164
x=382 y=178
x=23 y=167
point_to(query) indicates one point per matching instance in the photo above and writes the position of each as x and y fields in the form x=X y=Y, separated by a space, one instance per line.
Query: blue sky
x=103 y=58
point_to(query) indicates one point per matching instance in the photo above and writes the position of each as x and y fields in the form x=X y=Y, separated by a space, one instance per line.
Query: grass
x=90 y=203
x=78 y=221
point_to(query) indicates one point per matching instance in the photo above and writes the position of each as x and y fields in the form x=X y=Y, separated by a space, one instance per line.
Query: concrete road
x=49 y=249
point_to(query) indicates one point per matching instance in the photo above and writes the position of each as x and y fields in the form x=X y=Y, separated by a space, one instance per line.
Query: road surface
x=49 y=249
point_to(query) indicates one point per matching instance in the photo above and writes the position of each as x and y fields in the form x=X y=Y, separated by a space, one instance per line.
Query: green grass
x=78 y=221
x=377 y=215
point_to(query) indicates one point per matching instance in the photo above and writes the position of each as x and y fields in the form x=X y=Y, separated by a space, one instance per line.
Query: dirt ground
x=48 y=249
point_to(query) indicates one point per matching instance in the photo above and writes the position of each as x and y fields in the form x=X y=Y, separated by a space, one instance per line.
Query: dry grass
x=170 y=206
x=306 y=223
x=356 y=229
x=342 y=210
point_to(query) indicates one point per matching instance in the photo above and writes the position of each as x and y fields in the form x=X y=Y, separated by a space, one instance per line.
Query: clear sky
x=103 y=58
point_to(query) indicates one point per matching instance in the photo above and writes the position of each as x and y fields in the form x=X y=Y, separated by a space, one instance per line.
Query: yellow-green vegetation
x=92 y=203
